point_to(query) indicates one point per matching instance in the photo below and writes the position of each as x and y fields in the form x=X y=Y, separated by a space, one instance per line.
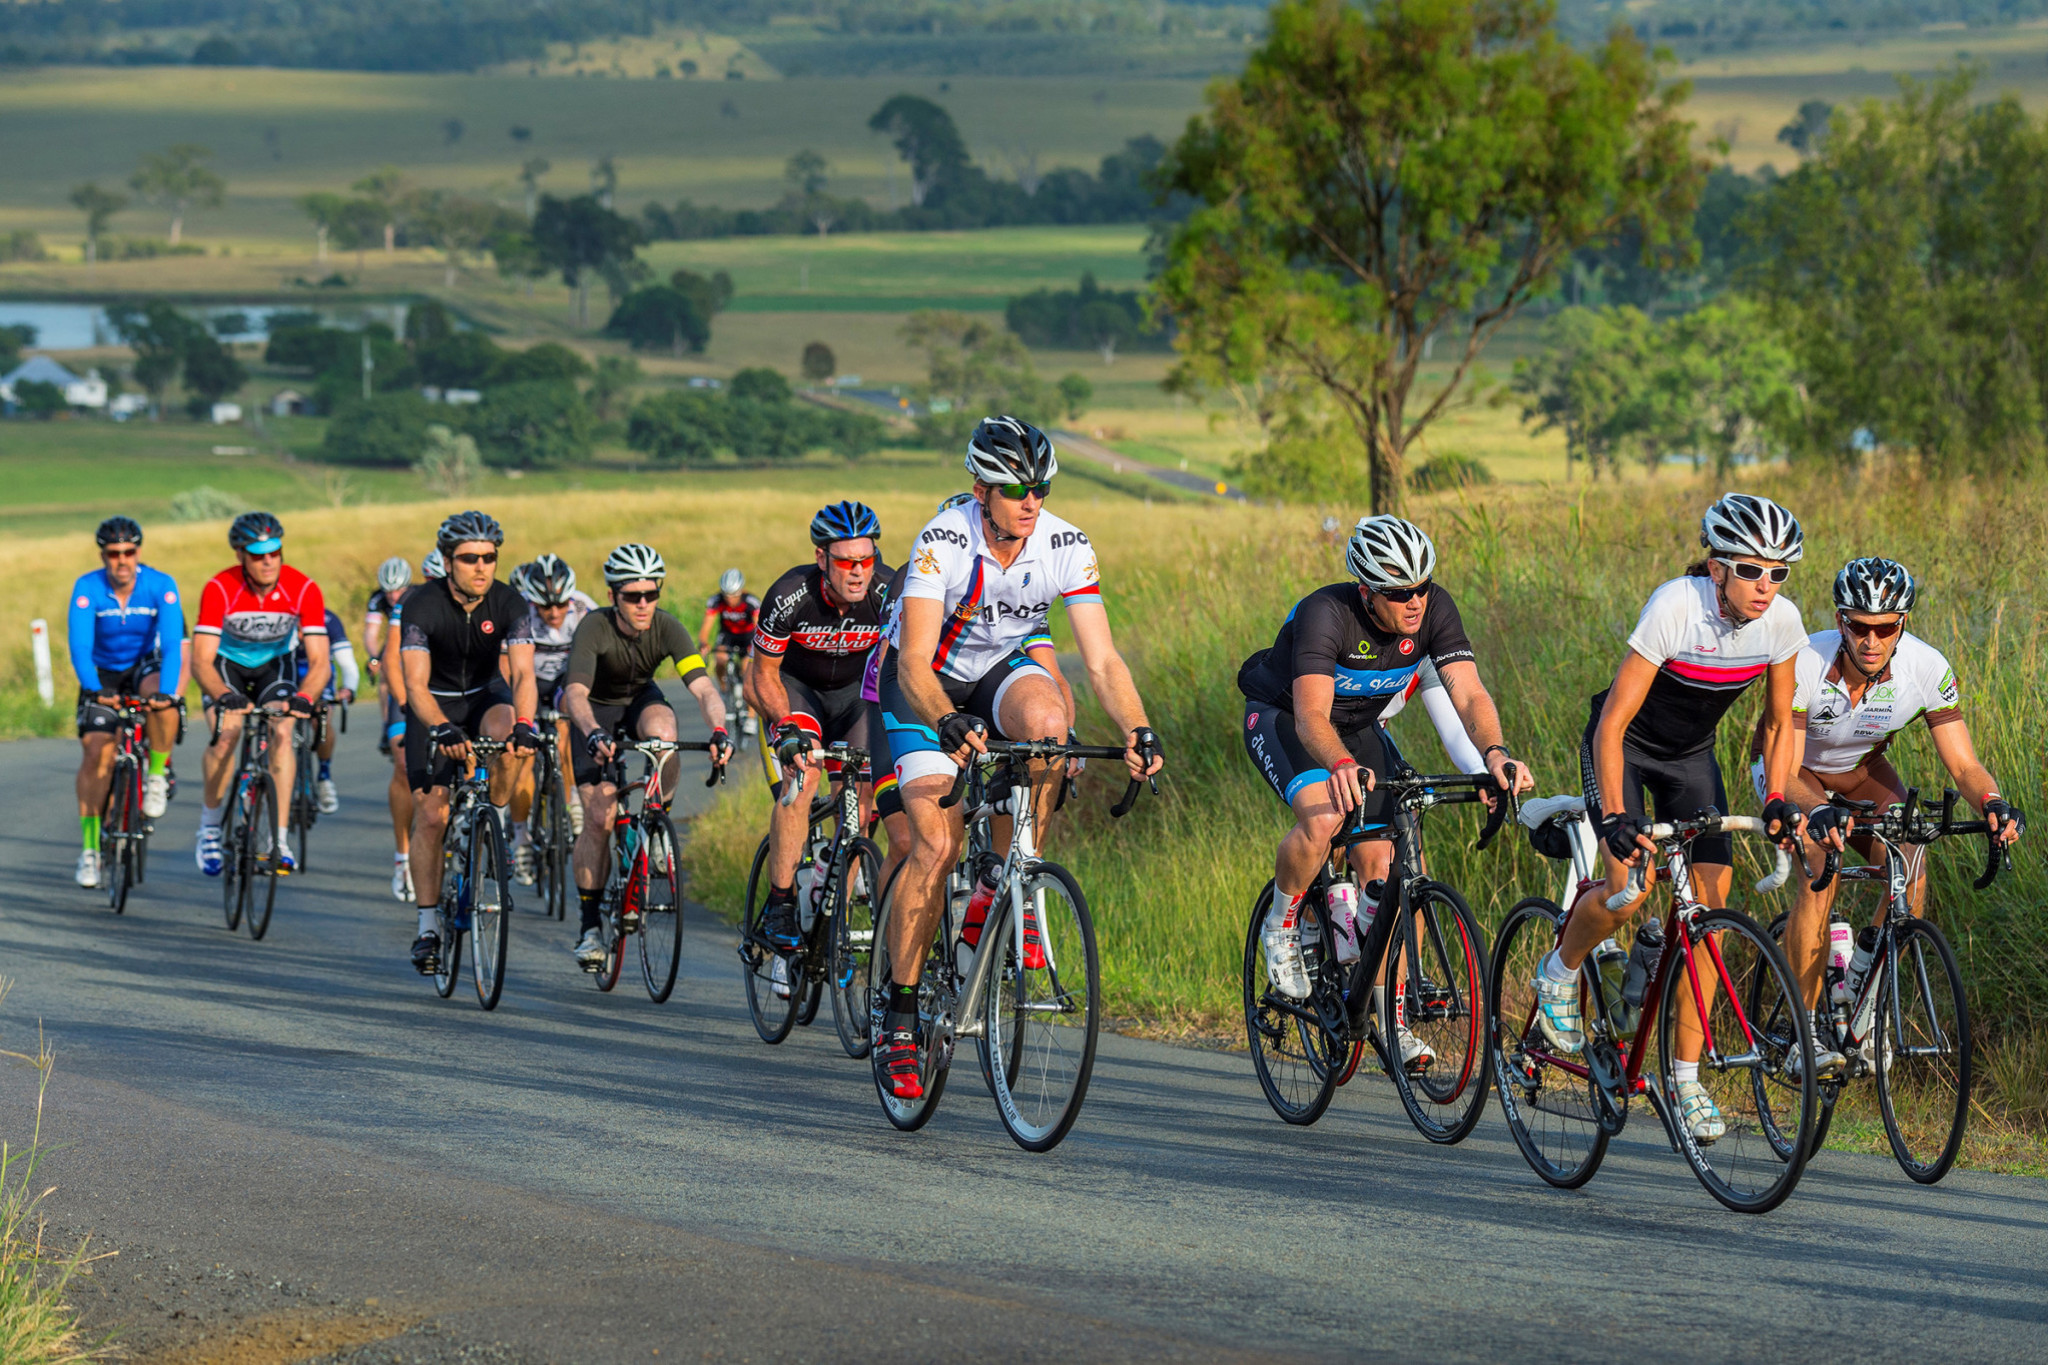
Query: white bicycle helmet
x=394 y=574
x=632 y=563
x=731 y=581
x=433 y=566
x=1875 y=585
x=1005 y=450
x=1757 y=528
x=1388 y=552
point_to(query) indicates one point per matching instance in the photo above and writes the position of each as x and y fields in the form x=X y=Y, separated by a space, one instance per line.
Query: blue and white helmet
x=844 y=521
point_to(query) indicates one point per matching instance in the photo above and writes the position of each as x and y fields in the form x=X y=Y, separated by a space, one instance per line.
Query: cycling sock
x=209 y=816
x=1685 y=1071
x=902 y=1005
x=1554 y=968
x=89 y=830
x=592 y=903
x=783 y=894
x=325 y=775
x=158 y=762
x=427 y=920
x=1286 y=910
x=398 y=858
x=518 y=833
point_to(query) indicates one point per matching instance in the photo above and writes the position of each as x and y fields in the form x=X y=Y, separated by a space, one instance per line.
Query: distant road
x=294 y=1142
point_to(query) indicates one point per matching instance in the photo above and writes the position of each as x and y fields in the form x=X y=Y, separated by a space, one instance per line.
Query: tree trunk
x=448 y=272
x=1385 y=467
x=390 y=238
x=1108 y=349
x=177 y=225
x=320 y=244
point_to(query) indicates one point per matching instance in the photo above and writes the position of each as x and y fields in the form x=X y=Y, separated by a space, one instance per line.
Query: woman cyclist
x=1701 y=641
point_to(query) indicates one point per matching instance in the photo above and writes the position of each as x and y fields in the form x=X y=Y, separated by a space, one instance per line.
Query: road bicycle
x=1755 y=1050
x=836 y=885
x=251 y=860
x=643 y=895
x=305 y=806
x=1433 y=952
x=476 y=883
x=124 y=829
x=1906 y=1022
x=1031 y=995
x=741 y=722
x=550 y=827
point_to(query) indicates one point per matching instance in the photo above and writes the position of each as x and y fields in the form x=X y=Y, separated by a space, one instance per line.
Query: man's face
x=1748 y=598
x=637 y=602
x=262 y=570
x=731 y=599
x=1012 y=516
x=471 y=567
x=121 y=559
x=849 y=567
x=553 y=614
x=1402 y=618
x=1873 y=637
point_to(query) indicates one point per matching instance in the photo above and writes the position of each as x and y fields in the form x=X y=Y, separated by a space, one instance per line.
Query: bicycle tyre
x=1040 y=1072
x=489 y=882
x=117 y=821
x=1923 y=1040
x=774 y=1015
x=448 y=964
x=661 y=908
x=1299 y=1064
x=1550 y=1111
x=558 y=853
x=853 y=946
x=232 y=873
x=1442 y=986
x=908 y=1115
x=260 y=856
x=608 y=929
x=1752 y=1167
x=1829 y=1091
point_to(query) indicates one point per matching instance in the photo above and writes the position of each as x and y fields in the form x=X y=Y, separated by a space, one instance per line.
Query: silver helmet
x=433 y=566
x=1744 y=524
x=1389 y=552
x=465 y=527
x=1875 y=585
x=395 y=574
x=732 y=581
x=1005 y=450
x=632 y=563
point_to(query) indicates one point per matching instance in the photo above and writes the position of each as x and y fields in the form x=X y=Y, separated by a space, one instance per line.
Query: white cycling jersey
x=991 y=611
x=551 y=647
x=1842 y=736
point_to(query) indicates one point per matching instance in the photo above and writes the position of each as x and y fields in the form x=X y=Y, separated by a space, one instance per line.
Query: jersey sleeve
x=213 y=608
x=1806 y=679
x=79 y=625
x=776 y=620
x=1791 y=632
x=1660 y=630
x=1450 y=728
x=1318 y=637
x=679 y=646
x=1080 y=573
x=935 y=561
x=1947 y=693
x=1448 y=643
x=170 y=635
x=583 y=651
x=312 y=610
x=343 y=656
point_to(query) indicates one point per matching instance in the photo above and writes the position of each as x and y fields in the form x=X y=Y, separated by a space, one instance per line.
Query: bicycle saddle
x=1543 y=809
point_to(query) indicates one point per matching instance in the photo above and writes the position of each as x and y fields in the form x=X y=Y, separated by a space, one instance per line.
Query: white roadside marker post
x=39 y=638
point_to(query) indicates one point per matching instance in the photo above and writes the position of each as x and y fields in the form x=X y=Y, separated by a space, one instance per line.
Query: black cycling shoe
x=426 y=953
x=778 y=924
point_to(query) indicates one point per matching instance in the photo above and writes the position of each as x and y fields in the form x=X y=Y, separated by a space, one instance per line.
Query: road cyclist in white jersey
x=1859 y=687
x=1701 y=642
x=549 y=584
x=381 y=617
x=983 y=578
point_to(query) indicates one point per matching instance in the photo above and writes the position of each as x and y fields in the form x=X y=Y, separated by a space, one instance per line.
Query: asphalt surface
x=298 y=1152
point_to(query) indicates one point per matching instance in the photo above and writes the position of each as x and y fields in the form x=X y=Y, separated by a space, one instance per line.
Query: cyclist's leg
x=429 y=773
x=95 y=760
x=217 y=762
x=924 y=775
x=651 y=717
x=1806 y=924
x=160 y=726
x=1590 y=920
x=1026 y=704
x=788 y=824
x=597 y=797
x=1679 y=789
x=1302 y=784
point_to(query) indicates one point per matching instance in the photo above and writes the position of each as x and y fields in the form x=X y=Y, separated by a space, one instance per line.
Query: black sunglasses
x=640 y=598
x=1402 y=594
x=477 y=559
x=1750 y=573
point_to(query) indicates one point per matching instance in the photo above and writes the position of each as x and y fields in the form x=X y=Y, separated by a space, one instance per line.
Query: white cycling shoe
x=401 y=879
x=1416 y=1055
x=1699 y=1113
x=326 y=797
x=1557 y=1012
x=285 y=861
x=522 y=864
x=1284 y=965
x=156 y=795
x=88 y=873
x=207 y=852
x=778 y=978
x=590 y=951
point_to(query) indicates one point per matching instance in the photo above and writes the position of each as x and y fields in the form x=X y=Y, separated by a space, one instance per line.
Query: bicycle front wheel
x=1299 y=1063
x=118 y=833
x=1781 y=1092
x=1044 y=1011
x=1746 y=1063
x=490 y=908
x=233 y=876
x=260 y=857
x=1546 y=1096
x=661 y=908
x=773 y=990
x=556 y=847
x=1436 y=994
x=1922 y=1049
x=853 y=946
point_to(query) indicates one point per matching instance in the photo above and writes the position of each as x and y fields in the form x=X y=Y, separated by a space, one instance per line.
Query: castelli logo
x=170 y=598
x=83 y=602
x=1407 y=646
x=488 y=627
x=1251 y=722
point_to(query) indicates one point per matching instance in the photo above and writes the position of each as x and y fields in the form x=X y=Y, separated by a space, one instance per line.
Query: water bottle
x=1342 y=899
x=1841 y=962
x=1613 y=967
x=806 y=896
x=1859 y=961
x=1642 y=961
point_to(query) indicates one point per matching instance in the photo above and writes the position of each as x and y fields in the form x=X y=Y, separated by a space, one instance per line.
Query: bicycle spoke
x=1436 y=984
x=1547 y=1099
x=1041 y=1037
x=1298 y=1063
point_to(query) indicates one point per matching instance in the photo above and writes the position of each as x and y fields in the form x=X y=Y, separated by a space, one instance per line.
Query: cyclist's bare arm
x=1314 y=694
x=704 y=631
x=1784 y=744
x=525 y=688
x=1110 y=676
x=709 y=701
x=1482 y=722
x=393 y=675
x=1958 y=755
x=206 y=666
x=576 y=706
x=319 y=666
x=771 y=697
x=373 y=638
x=1631 y=685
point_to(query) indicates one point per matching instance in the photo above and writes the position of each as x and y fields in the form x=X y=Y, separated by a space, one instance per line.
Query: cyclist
x=125 y=629
x=549 y=584
x=821 y=622
x=1701 y=641
x=1859 y=687
x=252 y=619
x=732 y=612
x=455 y=632
x=982 y=580
x=1345 y=654
x=342 y=684
x=610 y=693
x=380 y=641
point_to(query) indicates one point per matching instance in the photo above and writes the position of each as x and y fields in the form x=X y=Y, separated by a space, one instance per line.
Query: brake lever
x=952 y=798
x=2000 y=855
x=1497 y=817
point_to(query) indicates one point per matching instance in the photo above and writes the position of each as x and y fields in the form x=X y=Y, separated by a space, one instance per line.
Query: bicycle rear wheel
x=1922 y=1049
x=772 y=1004
x=1770 y=1118
x=1772 y=1091
x=556 y=846
x=661 y=908
x=260 y=857
x=853 y=946
x=1436 y=984
x=934 y=1059
x=489 y=884
x=118 y=832
x=1546 y=1098
x=1299 y=1063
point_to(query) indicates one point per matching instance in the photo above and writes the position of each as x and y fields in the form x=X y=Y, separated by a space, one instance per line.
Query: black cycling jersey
x=1330 y=634
x=819 y=643
x=380 y=604
x=464 y=645
x=617 y=668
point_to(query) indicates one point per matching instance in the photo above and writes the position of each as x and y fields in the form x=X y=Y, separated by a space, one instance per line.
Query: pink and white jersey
x=1705 y=660
x=991 y=611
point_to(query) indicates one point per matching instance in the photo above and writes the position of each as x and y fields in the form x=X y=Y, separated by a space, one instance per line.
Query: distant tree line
x=1726 y=24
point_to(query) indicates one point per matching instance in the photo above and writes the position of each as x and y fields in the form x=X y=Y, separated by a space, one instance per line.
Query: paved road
x=299 y=1152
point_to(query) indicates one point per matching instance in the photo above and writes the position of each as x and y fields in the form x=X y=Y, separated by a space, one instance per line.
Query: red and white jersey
x=257 y=628
x=989 y=610
x=1842 y=736
x=1705 y=660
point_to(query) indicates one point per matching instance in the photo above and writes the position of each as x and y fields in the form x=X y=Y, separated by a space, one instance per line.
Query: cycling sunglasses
x=1017 y=492
x=1863 y=630
x=113 y=552
x=475 y=558
x=1402 y=594
x=1750 y=573
x=640 y=599
x=864 y=562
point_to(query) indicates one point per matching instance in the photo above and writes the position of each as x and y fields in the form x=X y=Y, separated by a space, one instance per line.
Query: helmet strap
x=992 y=531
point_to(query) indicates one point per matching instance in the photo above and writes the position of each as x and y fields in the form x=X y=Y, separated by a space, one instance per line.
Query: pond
x=76 y=326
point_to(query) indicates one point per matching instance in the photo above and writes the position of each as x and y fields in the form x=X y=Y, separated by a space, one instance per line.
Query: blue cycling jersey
x=106 y=634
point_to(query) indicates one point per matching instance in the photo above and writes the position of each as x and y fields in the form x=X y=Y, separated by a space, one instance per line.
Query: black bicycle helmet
x=118 y=531
x=844 y=521
x=1875 y=585
x=464 y=527
x=1005 y=450
x=254 y=528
